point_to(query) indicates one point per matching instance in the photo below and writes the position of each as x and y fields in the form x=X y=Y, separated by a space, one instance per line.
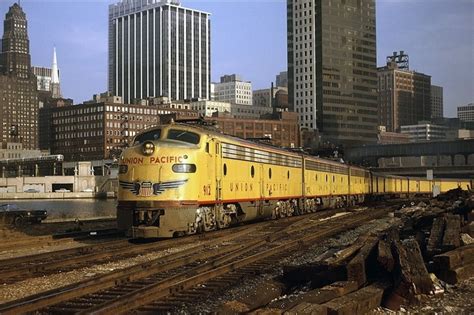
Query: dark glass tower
x=332 y=71
x=18 y=86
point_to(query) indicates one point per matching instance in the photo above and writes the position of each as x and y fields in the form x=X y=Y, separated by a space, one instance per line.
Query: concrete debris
x=466 y=239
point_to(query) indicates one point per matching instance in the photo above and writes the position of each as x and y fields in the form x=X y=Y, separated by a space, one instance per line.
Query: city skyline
x=241 y=42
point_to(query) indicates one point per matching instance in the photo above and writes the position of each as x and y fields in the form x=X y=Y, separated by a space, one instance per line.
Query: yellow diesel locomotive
x=179 y=179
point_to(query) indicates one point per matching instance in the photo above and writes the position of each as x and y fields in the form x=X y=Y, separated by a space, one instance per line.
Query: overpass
x=466 y=171
x=369 y=155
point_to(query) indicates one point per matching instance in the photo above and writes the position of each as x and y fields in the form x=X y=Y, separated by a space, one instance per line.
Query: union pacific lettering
x=153 y=160
x=134 y=160
x=166 y=159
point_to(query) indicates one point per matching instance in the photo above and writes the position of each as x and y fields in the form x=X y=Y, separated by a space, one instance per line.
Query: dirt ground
x=55 y=227
x=457 y=299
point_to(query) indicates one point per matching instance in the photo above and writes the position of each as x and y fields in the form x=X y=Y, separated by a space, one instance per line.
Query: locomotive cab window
x=148 y=136
x=184 y=136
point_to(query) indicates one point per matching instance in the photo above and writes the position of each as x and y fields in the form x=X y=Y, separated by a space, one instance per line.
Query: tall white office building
x=158 y=48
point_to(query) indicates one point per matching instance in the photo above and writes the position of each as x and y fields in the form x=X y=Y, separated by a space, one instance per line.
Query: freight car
x=178 y=179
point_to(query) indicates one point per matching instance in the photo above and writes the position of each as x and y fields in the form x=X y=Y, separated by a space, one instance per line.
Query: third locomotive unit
x=179 y=179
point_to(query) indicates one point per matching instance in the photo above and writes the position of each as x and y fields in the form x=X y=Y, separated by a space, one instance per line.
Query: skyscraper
x=404 y=97
x=18 y=94
x=158 y=48
x=332 y=72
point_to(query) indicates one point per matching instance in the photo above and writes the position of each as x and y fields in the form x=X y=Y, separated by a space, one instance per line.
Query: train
x=180 y=179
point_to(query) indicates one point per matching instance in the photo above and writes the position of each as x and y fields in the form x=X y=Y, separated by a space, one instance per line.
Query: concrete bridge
x=443 y=153
x=421 y=171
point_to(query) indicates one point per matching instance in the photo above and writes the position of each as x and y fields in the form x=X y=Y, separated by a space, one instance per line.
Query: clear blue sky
x=249 y=38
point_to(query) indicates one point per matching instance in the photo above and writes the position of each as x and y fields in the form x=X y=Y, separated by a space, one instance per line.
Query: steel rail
x=126 y=275
x=134 y=273
x=27 y=266
x=148 y=294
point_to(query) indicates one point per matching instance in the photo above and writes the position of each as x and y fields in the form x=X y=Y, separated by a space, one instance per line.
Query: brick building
x=404 y=97
x=283 y=130
x=96 y=131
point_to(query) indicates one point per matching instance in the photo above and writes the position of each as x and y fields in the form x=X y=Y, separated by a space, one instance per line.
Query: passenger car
x=12 y=214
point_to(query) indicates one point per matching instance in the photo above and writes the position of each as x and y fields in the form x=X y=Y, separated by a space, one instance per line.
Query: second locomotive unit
x=180 y=179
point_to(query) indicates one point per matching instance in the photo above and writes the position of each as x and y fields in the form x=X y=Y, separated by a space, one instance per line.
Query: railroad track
x=160 y=283
x=25 y=267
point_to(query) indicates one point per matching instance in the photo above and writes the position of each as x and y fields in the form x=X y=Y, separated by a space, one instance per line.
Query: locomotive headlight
x=148 y=148
x=184 y=168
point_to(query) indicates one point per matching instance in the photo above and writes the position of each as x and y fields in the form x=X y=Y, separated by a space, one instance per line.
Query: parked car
x=62 y=190
x=31 y=190
x=12 y=214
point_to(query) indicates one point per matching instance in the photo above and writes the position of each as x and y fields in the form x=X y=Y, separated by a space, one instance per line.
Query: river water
x=70 y=209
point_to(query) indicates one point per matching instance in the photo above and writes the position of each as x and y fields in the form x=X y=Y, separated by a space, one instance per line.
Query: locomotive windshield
x=185 y=136
x=148 y=136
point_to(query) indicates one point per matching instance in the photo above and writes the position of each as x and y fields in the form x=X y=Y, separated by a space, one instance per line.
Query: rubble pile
x=428 y=247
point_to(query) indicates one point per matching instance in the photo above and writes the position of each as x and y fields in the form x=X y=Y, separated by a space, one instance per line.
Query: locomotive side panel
x=325 y=178
x=256 y=179
x=207 y=164
x=447 y=185
x=389 y=184
x=465 y=185
x=381 y=184
x=358 y=184
x=241 y=183
x=426 y=186
x=405 y=185
x=414 y=186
